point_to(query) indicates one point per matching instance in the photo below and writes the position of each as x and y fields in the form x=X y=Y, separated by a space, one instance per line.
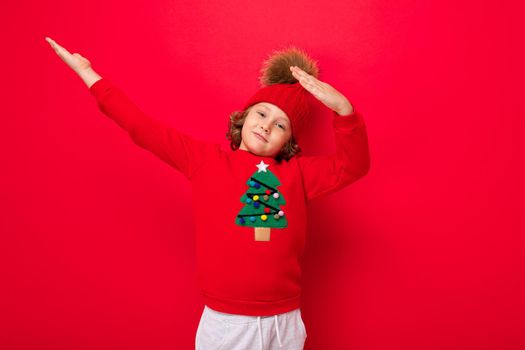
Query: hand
x=74 y=61
x=324 y=92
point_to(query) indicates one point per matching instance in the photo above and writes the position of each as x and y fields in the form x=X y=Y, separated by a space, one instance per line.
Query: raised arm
x=181 y=151
x=323 y=175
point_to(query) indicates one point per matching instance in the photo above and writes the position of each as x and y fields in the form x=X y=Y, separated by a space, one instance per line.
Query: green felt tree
x=262 y=203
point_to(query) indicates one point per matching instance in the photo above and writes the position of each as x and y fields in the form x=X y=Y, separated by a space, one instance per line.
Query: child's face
x=273 y=126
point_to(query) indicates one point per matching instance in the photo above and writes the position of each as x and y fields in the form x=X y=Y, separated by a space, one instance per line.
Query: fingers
x=324 y=92
x=298 y=72
x=61 y=51
x=302 y=76
x=307 y=81
x=53 y=44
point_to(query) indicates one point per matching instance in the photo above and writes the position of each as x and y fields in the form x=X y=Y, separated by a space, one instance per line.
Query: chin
x=259 y=152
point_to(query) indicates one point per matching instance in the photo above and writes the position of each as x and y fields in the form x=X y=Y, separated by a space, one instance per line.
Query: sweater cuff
x=347 y=122
x=100 y=87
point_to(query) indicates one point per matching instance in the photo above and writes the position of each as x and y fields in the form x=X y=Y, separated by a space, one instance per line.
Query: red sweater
x=233 y=193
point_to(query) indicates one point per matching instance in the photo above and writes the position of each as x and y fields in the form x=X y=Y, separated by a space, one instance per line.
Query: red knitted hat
x=279 y=86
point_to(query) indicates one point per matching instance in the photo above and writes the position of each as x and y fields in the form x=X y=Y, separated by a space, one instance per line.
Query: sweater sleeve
x=179 y=150
x=323 y=175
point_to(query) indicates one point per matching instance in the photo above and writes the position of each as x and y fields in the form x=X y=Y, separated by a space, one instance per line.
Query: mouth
x=262 y=138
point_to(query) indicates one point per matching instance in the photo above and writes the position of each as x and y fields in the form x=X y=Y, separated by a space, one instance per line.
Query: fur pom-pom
x=276 y=68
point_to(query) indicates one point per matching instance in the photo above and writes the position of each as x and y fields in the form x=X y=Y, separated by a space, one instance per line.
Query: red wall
x=425 y=252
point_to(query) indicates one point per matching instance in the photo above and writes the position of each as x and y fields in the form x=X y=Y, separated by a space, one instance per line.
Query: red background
x=425 y=252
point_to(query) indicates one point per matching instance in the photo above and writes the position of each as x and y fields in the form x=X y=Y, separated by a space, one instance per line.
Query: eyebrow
x=282 y=118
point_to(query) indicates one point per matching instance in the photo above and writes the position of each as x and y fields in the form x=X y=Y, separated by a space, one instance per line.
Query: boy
x=249 y=204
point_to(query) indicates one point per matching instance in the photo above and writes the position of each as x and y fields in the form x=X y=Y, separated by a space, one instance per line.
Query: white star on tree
x=262 y=166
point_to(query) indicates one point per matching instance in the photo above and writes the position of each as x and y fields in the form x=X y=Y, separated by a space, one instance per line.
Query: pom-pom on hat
x=281 y=88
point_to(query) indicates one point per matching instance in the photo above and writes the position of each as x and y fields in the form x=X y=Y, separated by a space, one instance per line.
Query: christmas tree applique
x=262 y=203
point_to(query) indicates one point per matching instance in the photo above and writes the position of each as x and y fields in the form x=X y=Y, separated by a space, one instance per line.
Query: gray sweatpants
x=221 y=331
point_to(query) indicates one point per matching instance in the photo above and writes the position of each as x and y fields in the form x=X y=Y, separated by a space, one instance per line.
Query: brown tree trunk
x=262 y=233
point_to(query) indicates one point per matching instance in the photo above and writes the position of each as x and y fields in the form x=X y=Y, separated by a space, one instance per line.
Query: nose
x=265 y=128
